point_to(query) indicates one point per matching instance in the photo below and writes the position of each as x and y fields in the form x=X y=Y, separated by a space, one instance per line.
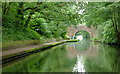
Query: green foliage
x=94 y=39
x=38 y=19
x=104 y=16
x=13 y=35
x=109 y=33
x=33 y=34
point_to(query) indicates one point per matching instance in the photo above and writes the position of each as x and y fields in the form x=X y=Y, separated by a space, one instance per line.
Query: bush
x=10 y=34
x=33 y=34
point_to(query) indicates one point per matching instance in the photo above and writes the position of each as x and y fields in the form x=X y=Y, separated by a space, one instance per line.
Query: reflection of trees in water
x=106 y=59
x=97 y=58
x=83 y=45
x=116 y=63
x=48 y=61
x=104 y=62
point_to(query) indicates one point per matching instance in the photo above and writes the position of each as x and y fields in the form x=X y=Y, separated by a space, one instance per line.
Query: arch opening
x=81 y=34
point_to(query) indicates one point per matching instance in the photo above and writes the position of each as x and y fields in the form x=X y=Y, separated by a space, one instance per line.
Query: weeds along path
x=17 y=50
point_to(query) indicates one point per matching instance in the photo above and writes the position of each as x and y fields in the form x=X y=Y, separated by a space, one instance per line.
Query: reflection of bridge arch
x=72 y=30
x=90 y=52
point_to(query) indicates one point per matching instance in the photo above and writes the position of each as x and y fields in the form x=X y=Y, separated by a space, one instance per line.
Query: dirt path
x=17 y=50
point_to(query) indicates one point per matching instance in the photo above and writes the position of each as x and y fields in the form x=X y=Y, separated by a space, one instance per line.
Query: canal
x=82 y=56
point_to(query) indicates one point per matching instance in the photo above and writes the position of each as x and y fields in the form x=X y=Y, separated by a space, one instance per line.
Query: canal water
x=82 y=56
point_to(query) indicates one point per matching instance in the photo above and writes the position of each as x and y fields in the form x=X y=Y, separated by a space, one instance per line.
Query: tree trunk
x=31 y=13
x=5 y=7
x=20 y=10
x=29 y=18
x=19 y=20
x=116 y=28
x=8 y=8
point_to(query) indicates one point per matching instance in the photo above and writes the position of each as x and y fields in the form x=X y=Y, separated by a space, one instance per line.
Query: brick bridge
x=72 y=30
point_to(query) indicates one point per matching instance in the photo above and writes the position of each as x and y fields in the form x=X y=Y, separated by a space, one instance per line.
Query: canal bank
x=10 y=55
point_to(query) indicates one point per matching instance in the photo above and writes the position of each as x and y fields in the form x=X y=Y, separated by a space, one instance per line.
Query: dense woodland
x=105 y=17
x=41 y=20
x=37 y=20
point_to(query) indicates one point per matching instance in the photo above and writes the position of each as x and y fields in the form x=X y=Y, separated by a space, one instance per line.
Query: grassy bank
x=11 y=57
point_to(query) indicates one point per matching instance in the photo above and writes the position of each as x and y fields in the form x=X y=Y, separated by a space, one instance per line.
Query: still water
x=82 y=56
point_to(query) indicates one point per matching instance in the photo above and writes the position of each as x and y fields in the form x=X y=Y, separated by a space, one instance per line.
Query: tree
x=100 y=15
x=48 y=19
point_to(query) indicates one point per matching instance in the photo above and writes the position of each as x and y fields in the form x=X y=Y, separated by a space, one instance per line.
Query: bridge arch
x=85 y=34
x=72 y=30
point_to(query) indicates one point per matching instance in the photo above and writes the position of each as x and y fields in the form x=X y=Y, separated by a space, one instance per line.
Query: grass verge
x=20 y=44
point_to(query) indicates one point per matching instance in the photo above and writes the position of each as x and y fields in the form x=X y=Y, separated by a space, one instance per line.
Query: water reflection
x=82 y=48
x=84 y=56
x=53 y=60
x=79 y=66
x=92 y=57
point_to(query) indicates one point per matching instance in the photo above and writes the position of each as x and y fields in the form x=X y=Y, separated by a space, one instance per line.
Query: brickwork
x=72 y=30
